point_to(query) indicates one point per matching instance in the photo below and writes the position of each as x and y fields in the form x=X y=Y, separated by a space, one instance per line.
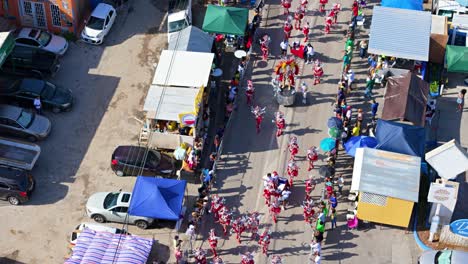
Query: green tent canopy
x=457 y=58
x=226 y=20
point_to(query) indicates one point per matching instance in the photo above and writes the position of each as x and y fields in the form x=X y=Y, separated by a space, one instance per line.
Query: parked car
x=443 y=256
x=99 y=24
x=96 y=227
x=18 y=122
x=33 y=62
x=16 y=185
x=37 y=38
x=113 y=207
x=18 y=154
x=135 y=160
x=24 y=91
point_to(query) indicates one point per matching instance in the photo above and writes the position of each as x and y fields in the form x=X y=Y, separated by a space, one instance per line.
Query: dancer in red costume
x=225 y=219
x=293 y=148
x=275 y=210
x=264 y=240
x=298 y=16
x=249 y=92
x=306 y=31
x=293 y=171
x=265 y=46
x=258 y=113
x=213 y=240
x=336 y=9
x=276 y=259
x=322 y=5
x=318 y=72
x=309 y=188
x=247 y=258
x=238 y=226
x=304 y=4
x=308 y=212
x=217 y=204
x=200 y=256
x=253 y=223
x=328 y=23
x=312 y=156
x=280 y=123
x=287 y=30
x=286 y=5
x=217 y=260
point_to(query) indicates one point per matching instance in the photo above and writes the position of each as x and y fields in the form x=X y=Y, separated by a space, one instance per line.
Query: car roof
x=124 y=199
x=10 y=111
x=11 y=175
x=129 y=153
x=101 y=10
x=26 y=33
x=32 y=85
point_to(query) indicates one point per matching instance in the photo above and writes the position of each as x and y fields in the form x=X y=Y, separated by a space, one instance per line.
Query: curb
x=421 y=245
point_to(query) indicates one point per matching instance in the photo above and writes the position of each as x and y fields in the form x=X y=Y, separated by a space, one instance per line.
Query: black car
x=29 y=61
x=16 y=185
x=24 y=91
x=135 y=160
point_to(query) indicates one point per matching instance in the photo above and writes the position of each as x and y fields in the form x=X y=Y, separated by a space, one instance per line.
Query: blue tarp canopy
x=400 y=138
x=404 y=4
x=157 y=198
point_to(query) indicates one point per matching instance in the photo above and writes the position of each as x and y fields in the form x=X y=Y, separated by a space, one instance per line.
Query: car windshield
x=49 y=91
x=25 y=119
x=95 y=23
x=111 y=200
x=44 y=38
x=177 y=25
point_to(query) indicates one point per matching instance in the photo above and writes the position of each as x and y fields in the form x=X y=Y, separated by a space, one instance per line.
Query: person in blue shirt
x=374 y=108
x=333 y=200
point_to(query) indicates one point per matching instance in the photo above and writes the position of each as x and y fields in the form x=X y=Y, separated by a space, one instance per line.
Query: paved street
x=248 y=157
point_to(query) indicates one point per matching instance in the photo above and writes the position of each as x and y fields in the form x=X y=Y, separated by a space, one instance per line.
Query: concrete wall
x=396 y=212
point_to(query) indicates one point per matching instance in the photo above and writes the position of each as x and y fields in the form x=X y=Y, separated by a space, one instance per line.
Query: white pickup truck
x=179 y=16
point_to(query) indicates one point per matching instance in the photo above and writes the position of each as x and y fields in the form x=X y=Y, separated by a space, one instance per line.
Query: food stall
x=176 y=98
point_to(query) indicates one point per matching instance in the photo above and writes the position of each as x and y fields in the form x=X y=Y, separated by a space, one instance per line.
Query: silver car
x=18 y=122
x=37 y=38
x=113 y=207
x=443 y=256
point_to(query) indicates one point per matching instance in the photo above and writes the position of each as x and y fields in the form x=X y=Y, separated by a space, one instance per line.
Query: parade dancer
x=287 y=30
x=328 y=23
x=264 y=46
x=264 y=240
x=336 y=9
x=312 y=156
x=238 y=227
x=250 y=92
x=318 y=72
x=200 y=256
x=276 y=259
x=304 y=4
x=309 y=187
x=306 y=31
x=298 y=16
x=247 y=258
x=293 y=148
x=253 y=223
x=268 y=192
x=322 y=5
x=275 y=210
x=293 y=171
x=217 y=260
x=258 y=113
x=280 y=123
x=213 y=240
x=225 y=219
x=308 y=212
x=286 y=5
x=217 y=204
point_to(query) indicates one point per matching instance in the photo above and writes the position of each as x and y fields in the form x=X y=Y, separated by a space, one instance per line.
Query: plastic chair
x=352 y=223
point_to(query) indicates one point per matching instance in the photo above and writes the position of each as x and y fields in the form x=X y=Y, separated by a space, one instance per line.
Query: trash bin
x=286 y=96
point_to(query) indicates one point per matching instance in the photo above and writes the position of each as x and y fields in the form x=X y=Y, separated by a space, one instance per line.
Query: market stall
x=175 y=101
x=388 y=186
x=400 y=138
x=404 y=4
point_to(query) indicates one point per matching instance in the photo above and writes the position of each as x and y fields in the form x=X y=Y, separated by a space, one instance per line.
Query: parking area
x=109 y=83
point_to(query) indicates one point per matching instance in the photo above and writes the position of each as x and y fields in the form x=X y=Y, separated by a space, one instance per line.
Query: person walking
x=374 y=108
x=333 y=218
x=461 y=100
x=369 y=86
x=362 y=49
x=284 y=47
x=38 y=105
x=340 y=183
x=310 y=53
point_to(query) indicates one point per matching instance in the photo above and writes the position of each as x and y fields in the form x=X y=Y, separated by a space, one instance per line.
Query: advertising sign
x=460 y=227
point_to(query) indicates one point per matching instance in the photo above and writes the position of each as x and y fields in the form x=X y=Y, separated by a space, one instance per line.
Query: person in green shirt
x=346 y=62
x=369 y=86
x=320 y=226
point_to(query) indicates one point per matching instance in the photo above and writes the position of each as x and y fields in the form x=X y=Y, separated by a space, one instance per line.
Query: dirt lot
x=109 y=83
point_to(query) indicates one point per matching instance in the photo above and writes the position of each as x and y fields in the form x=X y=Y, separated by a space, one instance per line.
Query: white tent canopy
x=448 y=160
x=183 y=68
x=386 y=173
x=166 y=103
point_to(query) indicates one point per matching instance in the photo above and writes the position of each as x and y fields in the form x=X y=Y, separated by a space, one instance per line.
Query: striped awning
x=103 y=247
x=400 y=33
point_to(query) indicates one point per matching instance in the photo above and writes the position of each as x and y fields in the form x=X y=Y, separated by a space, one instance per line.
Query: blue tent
x=359 y=142
x=157 y=198
x=400 y=138
x=404 y=4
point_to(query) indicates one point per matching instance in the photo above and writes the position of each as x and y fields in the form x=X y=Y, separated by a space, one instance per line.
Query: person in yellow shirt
x=356 y=131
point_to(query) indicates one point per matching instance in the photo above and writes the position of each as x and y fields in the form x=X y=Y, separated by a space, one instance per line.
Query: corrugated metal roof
x=460 y=20
x=439 y=25
x=400 y=33
x=166 y=103
x=386 y=173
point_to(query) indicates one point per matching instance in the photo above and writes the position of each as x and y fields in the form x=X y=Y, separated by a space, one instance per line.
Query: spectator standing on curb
x=362 y=49
x=461 y=100
x=310 y=53
x=333 y=218
x=374 y=108
x=284 y=47
x=340 y=182
x=38 y=105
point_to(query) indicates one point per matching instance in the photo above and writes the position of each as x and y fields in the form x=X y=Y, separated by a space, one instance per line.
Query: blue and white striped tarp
x=104 y=247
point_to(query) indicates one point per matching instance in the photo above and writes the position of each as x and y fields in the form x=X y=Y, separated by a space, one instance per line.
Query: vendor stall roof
x=404 y=4
x=386 y=173
x=439 y=25
x=457 y=59
x=191 y=39
x=448 y=160
x=460 y=20
x=166 y=103
x=400 y=33
x=183 y=68
x=226 y=20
